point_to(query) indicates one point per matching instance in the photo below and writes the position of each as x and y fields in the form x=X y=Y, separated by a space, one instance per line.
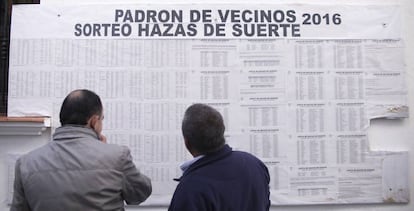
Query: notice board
x=297 y=86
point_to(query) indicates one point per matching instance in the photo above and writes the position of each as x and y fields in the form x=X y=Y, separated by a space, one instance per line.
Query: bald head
x=79 y=106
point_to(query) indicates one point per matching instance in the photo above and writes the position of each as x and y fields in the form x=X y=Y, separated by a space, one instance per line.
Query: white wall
x=385 y=135
x=15 y=145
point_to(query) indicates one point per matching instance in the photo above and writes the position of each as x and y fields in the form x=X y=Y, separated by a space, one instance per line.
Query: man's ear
x=92 y=121
x=187 y=145
x=190 y=149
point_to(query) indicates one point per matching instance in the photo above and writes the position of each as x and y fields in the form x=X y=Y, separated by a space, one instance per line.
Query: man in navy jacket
x=218 y=178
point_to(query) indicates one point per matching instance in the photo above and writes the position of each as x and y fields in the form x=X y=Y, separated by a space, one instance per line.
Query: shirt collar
x=188 y=163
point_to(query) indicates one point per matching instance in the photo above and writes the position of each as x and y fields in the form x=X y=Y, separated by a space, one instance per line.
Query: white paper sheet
x=302 y=104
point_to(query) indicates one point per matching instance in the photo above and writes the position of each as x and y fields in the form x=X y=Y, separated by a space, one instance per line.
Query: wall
x=15 y=144
x=384 y=135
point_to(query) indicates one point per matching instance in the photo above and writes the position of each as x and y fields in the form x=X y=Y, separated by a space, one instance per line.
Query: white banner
x=296 y=85
x=208 y=21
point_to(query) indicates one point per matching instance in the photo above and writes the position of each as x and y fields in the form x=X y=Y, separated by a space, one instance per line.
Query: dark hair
x=79 y=106
x=203 y=128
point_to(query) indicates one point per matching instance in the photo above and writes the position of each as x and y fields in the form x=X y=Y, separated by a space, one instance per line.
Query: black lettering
x=103 y=30
x=195 y=16
x=139 y=16
x=151 y=16
x=237 y=31
x=143 y=29
x=177 y=16
x=316 y=19
x=279 y=16
x=273 y=30
x=167 y=30
x=78 y=29
x=206 y=17
x=156 y=30
x=126 y=30
x=118 y=13
x=191 y=29
x=208 y=29
x=235 y=16
x=115 y=30
x=295 y=30
x=96 y=30
x=163 y=16
x=106 y=27
x=247 y=32
x=223 y=17
x=87 y=29
x=285 y=28
x=291 y=16
x=220 y=30
x=128 y=17
x=246 y=16
x=265 y=16
x=180 y=30
x=261 y=30
x=307 y=18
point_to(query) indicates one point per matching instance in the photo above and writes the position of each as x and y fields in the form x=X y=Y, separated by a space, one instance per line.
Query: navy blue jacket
x=225 y=180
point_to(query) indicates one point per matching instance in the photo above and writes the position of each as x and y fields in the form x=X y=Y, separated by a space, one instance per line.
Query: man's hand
x=102 y=138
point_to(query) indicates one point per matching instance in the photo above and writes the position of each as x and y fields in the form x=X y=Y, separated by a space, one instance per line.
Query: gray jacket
x=76 y=171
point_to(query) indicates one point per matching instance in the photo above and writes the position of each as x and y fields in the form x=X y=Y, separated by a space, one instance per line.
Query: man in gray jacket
x=78 y=170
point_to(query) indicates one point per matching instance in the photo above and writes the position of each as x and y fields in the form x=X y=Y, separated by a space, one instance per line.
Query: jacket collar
x=68 y=132
x=207 y=159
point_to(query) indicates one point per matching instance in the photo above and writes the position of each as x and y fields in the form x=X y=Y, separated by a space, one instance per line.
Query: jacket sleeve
x=19 y=202
x=136 y=187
